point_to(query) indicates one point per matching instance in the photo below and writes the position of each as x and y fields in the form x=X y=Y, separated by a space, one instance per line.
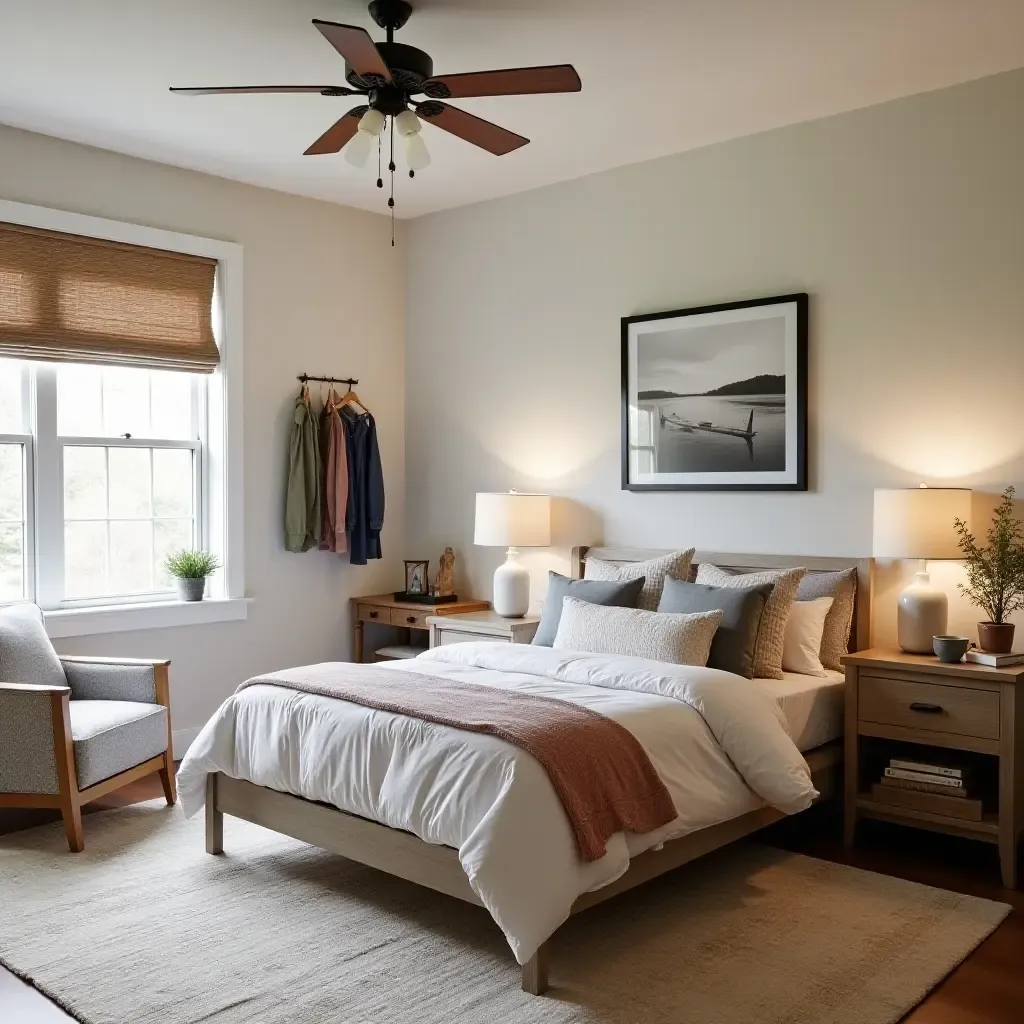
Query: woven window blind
x=67 y=298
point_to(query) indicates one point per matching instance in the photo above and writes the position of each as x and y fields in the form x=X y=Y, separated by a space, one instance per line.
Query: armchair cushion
x=108 y=680
x=26 y=654
x=111 y=736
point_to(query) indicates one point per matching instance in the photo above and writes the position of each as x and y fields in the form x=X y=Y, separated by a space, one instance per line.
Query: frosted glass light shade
x=407 y=123
x=417 y=156
x=359 y=148
x=372 y=121
x=510 y=519
x=917 y=522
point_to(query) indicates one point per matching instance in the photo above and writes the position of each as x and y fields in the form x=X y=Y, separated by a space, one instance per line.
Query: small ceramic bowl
x=950 y=649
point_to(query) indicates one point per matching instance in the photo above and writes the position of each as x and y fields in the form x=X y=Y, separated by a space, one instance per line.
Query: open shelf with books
x=950 y=790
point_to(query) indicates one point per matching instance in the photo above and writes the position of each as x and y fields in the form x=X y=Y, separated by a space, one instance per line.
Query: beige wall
x=320 y=297
x=905 y=223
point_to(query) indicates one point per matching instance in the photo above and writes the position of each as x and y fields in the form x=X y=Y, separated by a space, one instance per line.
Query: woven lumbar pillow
x=654 y=571
x=771 y=637
x=601 y=629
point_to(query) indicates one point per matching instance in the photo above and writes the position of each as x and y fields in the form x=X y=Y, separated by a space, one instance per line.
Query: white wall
x=320 y=297
x=904 y=222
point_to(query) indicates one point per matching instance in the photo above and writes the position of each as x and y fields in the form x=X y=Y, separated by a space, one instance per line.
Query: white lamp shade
x=917 y=522
x=510 y=519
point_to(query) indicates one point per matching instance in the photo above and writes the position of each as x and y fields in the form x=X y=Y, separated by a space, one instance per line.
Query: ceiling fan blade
x=509 y=82
x=323 y=90
x=473 y=129
x=338 y=134
x=356 y=46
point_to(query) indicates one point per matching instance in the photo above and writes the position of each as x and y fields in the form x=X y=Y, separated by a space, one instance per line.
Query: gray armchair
x=62 y=746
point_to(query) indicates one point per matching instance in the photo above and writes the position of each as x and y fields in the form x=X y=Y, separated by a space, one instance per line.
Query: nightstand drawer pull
x=374 y=615
x=928 y=709
x=411 y=619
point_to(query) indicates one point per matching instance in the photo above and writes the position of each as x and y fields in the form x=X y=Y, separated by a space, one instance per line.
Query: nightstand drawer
x=409 y=618
x=459 y=636
x=371 y=613
x=929 y=707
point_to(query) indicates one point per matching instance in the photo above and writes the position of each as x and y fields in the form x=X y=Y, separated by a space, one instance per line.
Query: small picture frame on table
x=416 y=577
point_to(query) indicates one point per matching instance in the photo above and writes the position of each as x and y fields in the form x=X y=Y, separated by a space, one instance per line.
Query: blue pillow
x=616 y=593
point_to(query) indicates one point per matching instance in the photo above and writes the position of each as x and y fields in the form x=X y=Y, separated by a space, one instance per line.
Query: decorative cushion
x=26 y=654
x=597 y=629
x=842 y=588
x=772 y=634
x=654 y=570
x=623 y=593
x=801 y=647
x=111 y=736
x=732 y=648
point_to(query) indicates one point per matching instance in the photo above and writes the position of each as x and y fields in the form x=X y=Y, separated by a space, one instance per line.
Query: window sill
x=123 y=618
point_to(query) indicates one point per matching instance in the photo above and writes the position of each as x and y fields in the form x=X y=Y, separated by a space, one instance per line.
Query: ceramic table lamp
x=917 y=522
x=512 y=520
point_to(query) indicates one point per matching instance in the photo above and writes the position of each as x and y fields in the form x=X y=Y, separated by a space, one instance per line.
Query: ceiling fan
x=389 y=75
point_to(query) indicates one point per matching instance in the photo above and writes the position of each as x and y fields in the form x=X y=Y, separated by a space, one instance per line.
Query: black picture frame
x=794 y=475
x=417 y=569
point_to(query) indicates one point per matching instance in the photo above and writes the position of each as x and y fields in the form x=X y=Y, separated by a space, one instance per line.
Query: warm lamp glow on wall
x=918 y=523
x=513 y=520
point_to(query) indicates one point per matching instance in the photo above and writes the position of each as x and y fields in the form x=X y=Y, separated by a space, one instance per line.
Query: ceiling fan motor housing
x=409 y=67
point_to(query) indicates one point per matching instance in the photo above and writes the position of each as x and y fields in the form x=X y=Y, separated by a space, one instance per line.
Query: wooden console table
x=384 y=610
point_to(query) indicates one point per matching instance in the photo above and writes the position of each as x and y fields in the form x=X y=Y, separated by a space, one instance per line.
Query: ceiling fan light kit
x=388 y=75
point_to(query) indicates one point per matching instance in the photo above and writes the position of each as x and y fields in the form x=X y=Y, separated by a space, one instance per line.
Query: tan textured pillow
x=654 y=572
x=662 y=636
x=772 y=636
x=841 y=586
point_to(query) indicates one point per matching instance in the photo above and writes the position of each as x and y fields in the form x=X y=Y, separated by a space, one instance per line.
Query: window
x=101 y=477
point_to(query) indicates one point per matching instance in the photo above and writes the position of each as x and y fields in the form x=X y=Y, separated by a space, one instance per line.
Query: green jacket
x=302 y=498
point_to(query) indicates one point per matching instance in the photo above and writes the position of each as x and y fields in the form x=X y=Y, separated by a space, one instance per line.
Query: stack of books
x=994 y=660
x=927 y=786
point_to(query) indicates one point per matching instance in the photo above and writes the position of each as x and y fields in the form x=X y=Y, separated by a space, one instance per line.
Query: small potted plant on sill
x=995 y=574
x=190 y=569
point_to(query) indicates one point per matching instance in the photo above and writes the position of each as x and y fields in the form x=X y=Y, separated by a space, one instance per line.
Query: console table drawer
x=410 y=619
x=929 y=707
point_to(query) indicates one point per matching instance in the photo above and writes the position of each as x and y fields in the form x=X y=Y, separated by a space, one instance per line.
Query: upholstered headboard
x=860 y=631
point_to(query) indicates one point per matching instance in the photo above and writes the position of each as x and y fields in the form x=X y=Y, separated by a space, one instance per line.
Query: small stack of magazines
x=924 y=777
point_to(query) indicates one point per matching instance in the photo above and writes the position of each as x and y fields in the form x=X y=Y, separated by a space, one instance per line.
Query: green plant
x=191 y=565
x=995 y=573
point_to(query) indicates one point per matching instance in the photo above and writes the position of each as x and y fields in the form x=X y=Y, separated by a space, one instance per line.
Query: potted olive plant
x=190 y=569
x=995 y=574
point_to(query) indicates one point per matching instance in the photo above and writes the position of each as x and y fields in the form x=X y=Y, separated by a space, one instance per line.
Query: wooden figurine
x=444 y=581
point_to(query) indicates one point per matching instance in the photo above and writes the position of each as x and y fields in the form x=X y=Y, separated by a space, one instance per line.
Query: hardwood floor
x=988 y=988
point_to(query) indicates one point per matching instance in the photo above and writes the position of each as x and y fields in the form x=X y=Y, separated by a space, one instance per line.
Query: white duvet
x=720 y=745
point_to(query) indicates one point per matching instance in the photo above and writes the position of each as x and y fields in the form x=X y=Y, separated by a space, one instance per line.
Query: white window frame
x=221 y=519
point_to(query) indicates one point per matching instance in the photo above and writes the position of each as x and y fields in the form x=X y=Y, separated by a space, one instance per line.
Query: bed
x=261 y=759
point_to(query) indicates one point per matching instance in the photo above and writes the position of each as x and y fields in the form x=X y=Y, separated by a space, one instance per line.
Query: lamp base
x=922 y=612
x=511 y=587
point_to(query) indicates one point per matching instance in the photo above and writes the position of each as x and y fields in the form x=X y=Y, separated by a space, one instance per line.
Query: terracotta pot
x=995 y=637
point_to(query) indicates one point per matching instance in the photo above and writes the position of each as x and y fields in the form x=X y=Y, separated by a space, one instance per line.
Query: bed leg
x=535 y=972
x=214 y=817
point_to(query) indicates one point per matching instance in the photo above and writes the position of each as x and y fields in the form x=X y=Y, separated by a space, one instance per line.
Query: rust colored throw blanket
x=601 y=773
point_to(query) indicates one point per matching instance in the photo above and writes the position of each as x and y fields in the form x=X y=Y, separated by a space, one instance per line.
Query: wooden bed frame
x=438 y=867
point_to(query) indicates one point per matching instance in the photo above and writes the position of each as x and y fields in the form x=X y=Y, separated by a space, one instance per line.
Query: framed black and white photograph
x=715 y=398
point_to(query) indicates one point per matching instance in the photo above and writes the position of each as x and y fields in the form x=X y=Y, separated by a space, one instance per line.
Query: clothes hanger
x=350 y=397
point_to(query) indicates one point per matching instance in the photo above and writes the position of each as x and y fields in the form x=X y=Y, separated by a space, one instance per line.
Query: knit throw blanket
x=599 y=770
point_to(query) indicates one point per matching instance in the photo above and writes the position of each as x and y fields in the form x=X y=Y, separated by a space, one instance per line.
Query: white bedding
x=813 y=705
x=720 y=745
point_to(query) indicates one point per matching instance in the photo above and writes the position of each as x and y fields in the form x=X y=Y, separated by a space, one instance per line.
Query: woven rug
x=145 y=928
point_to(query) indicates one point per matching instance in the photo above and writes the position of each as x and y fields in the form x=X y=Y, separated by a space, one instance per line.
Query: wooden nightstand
x=384 y=610
x=907 y=703
x=458 y=629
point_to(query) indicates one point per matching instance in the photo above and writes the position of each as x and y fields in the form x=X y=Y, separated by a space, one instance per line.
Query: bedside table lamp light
x=917 y=522
x=512 y=520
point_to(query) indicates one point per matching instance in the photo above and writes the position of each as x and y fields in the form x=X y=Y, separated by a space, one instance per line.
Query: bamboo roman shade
x=72 y=299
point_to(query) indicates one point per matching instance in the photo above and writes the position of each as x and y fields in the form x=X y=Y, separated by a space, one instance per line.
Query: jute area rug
x=146 y=928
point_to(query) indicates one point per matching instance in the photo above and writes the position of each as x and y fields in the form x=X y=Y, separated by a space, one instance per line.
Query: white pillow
x=662 y=636
x=801 y=649
x=654 y=571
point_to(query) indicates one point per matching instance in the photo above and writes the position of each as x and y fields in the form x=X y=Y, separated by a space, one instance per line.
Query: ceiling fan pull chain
x=380 y=146
x=391 y=168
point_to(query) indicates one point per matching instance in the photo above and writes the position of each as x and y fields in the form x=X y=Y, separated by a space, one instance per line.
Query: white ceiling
x=659 y=76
